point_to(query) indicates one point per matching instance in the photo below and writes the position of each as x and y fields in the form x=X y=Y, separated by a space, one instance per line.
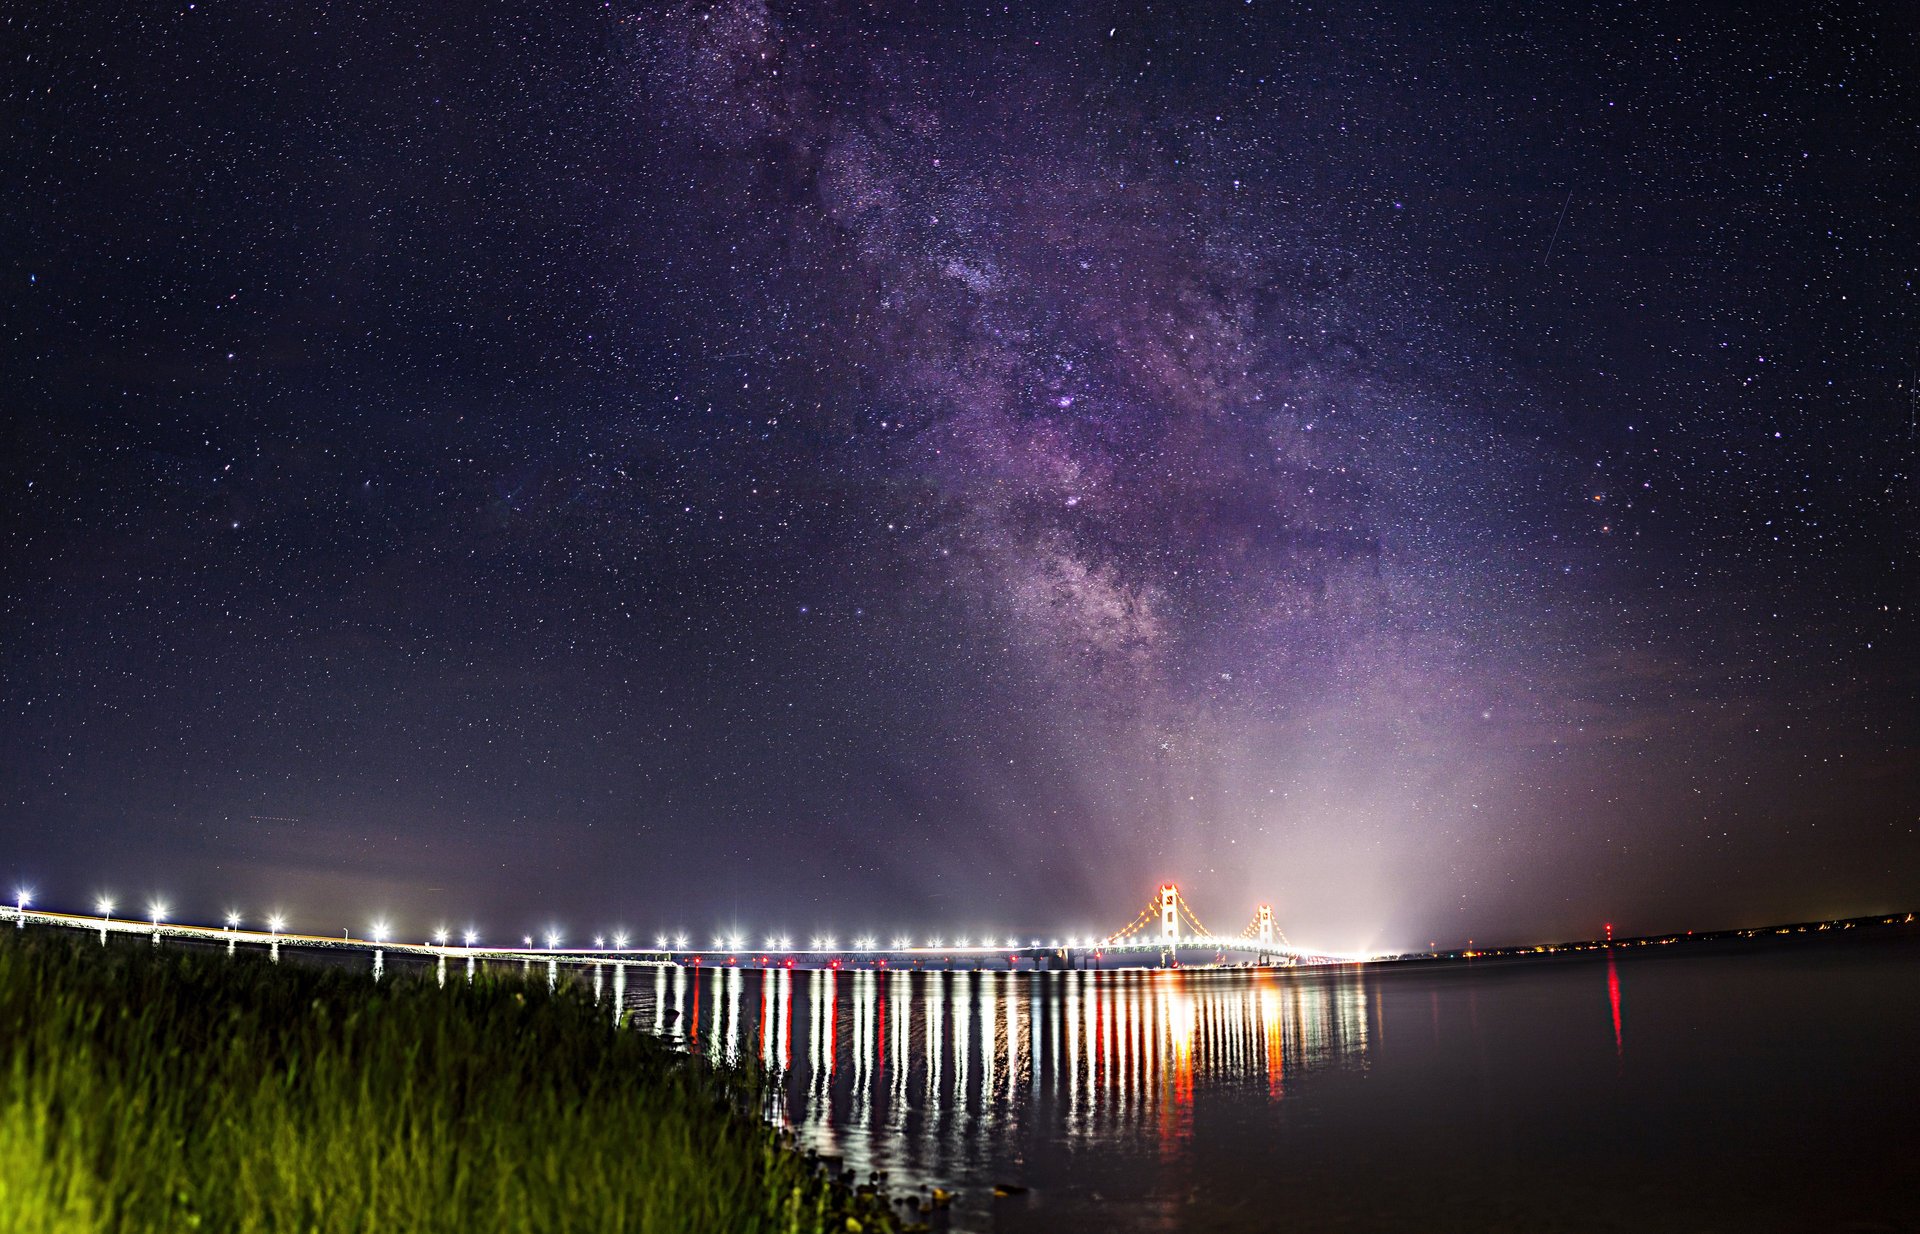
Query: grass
x=146 y=1089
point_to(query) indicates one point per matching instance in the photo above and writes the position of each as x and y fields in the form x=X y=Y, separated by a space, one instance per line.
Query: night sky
x=1445 y=469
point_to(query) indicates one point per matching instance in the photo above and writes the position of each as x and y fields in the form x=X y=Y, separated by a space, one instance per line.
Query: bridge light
x=440 y=937
x=526 y=940
x=600 y=942
x=659 y=942
x=553 y=940
x=157 y=910
x=276 y=923
x=105 y=905
x=901 y=944
x=379 y=931
x=233 y=920
x=620 y=942
x=470 y=937
x=784 y=944
x=680 y=941
x=963 y=941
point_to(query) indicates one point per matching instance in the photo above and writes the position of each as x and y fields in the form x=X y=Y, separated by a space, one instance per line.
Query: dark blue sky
x=1446 y=471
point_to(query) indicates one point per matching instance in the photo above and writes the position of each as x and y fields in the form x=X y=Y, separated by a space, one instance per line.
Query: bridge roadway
x=1038 y=955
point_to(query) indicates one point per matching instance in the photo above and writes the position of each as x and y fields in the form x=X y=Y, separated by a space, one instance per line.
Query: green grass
x=146 y=1089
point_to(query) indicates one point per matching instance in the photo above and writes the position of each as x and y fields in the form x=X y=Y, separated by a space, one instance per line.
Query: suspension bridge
x=1166 y=932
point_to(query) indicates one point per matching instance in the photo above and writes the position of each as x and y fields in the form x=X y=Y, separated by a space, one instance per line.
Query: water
x=1743 y=1087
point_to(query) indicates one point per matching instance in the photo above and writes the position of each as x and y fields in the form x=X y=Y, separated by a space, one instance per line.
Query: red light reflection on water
x=1613 y=996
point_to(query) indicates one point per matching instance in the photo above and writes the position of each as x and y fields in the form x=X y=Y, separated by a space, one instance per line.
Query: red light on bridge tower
x=1609 y=931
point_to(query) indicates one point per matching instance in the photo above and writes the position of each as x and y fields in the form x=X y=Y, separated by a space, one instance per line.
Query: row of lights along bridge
x=1167 y=923
x=380 y=932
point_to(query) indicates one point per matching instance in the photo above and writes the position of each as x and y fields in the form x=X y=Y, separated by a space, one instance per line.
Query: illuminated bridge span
x=1166 y=929
x=1169 y=924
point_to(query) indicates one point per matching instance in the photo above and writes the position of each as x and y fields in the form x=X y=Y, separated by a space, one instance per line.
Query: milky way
x=1440 y=475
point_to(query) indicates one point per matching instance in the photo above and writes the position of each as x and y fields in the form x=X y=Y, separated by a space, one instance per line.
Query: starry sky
x=1444 y=469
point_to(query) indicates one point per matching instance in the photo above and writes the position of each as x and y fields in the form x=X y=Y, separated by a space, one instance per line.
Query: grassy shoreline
x=147 y=1089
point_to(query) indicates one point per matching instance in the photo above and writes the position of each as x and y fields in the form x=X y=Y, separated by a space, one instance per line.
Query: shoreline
x=170 y=1088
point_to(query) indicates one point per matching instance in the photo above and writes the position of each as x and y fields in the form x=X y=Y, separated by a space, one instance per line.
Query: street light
x=599 y=942
x=620 y=942
x=440 y=937
x=553 y=939
x=157 y=910
x=22 y=896
x=378 y=931
x=470 y=938
x=233 y=920
x=275 y=924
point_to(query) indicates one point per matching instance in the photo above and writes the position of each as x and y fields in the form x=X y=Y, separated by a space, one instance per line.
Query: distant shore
x=1866 y=925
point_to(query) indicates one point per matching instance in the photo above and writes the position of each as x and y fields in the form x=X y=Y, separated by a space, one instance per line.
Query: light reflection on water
x=935 y=1077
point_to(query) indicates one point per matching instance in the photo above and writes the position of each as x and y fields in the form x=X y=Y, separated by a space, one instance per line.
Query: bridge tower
x=1265 y=922
x=1169 y=912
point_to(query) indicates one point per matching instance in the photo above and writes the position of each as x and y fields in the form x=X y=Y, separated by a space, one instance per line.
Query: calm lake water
x=1758 y=1086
